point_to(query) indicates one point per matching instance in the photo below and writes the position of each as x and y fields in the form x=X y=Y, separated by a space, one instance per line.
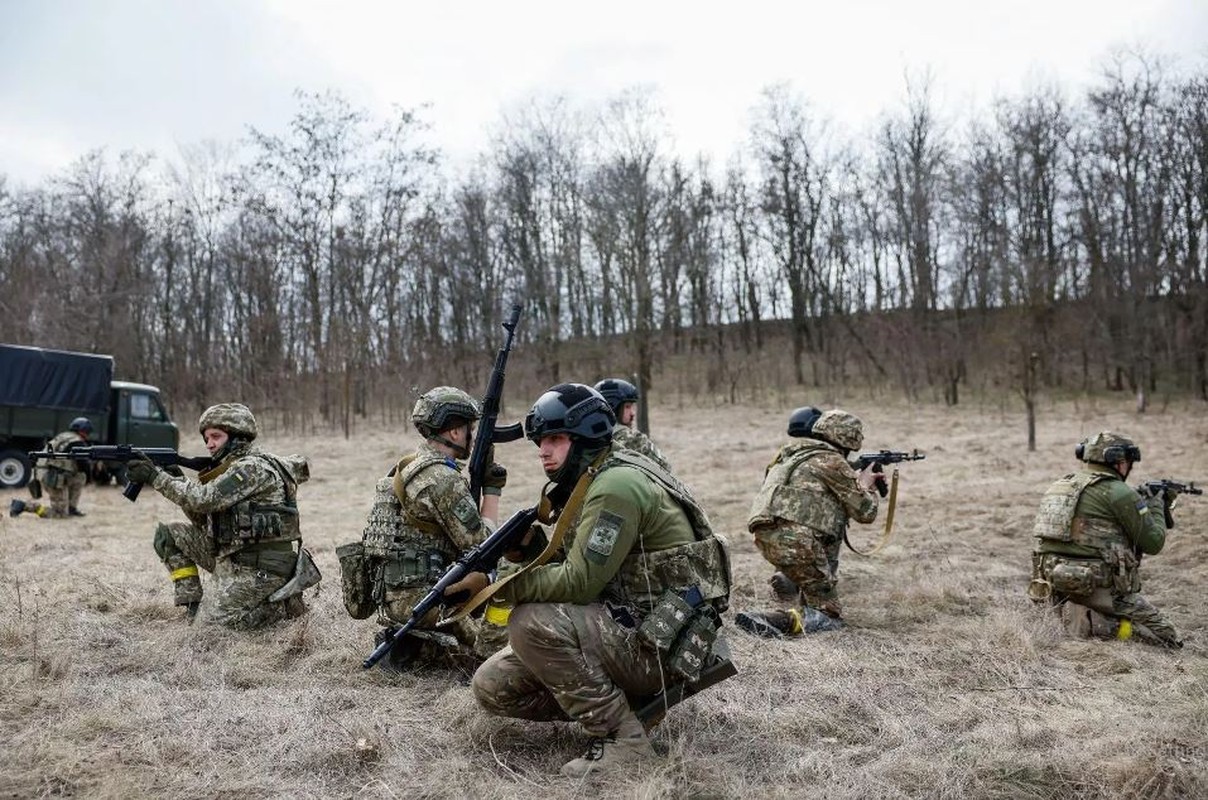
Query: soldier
x=243 y=526
x=423 y=517
x=1090 y=533
x=63 y=479
x=638 y=557
x=799 y=520
x=622 y=397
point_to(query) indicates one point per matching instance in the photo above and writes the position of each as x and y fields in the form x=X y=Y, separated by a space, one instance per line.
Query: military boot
x=16 y=507
x=815 y=621
x=783 y=587
x=770 y=624
x=610 y=753
x=75 y=512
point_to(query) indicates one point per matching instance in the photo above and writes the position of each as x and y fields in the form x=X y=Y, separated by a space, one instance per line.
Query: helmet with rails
x=441 y=408
x=617 y=392
x=234 y=418
x=81 y=425
x=801 y=421
x=571 y=408
x=1108 y=448
x=839 y=428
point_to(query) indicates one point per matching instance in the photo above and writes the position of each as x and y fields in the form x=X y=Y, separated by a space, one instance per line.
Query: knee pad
x=164 y=544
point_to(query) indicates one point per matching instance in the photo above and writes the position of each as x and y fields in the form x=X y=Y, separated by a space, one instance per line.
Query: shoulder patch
x=465 y=511
x=233 y=480
x=1142 y=506
x=604 y=535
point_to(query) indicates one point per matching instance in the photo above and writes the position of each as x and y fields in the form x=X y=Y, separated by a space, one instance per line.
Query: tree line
x=329 y=269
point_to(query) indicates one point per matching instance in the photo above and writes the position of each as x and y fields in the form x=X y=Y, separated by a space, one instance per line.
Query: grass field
x=947 y=682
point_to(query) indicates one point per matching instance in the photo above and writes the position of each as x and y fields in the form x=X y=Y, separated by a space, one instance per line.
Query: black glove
x=141 y=470
x=495 y=479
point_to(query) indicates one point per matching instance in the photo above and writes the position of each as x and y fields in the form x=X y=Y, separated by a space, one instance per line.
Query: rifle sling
x=887 y=533
x=565 y=519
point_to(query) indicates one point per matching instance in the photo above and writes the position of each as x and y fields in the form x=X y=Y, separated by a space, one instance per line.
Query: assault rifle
x=123 y=453
x=882 y=457
x=1168 y=489
x=488 y=430
x=483 y=557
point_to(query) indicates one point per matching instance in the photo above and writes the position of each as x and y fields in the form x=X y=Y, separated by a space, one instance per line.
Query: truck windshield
x=146 y=406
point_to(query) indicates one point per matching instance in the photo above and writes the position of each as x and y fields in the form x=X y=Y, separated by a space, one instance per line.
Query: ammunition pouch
x=1074 y=578
x=412 y=568
x=355 y=583
x=249 y=522
x=53 y=478
x=681 y=633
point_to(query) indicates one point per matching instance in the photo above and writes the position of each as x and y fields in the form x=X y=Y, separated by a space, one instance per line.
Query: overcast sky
x=155 y=74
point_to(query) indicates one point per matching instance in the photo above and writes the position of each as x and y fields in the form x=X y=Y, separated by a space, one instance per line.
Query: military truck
x=42 y=391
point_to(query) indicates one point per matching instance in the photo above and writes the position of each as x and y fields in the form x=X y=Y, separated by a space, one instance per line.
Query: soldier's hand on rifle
x=467 y=587
x=529 y=546
x=495 y=479
x=141 y=470
x=870 y=476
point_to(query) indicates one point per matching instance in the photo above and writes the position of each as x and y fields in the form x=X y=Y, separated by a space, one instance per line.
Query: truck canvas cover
x=31 y=376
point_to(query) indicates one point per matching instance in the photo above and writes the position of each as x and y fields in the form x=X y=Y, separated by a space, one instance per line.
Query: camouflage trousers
x=239 y=592
x=1148 y=623
x=809 y=558
x=570 y=662
x=66 y=495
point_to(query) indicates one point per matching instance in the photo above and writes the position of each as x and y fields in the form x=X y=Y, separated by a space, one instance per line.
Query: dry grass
x=946 y=684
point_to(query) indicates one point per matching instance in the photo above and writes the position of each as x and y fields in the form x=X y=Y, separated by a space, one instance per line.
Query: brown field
x=947 y=683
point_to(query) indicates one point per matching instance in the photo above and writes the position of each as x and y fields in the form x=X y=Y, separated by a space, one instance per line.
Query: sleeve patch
x=1142 y=506
x=233 y=481
x=465 y=511
x=604 y=536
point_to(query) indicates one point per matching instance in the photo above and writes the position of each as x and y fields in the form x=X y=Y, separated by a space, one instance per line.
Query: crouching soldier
x=243 y=527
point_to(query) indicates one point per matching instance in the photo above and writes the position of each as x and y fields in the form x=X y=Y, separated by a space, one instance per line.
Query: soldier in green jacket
x=1091 y=531
x=631 y=604
x=243 y=526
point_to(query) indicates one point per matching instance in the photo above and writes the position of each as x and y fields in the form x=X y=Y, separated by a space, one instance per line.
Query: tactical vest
x=805 y=502
x=644 y=575
x=253 y=522
x=1056 y=521
x=413 y=551
x=61 y=444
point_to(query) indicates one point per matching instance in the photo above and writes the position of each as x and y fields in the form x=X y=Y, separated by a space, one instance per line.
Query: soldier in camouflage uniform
x=423 y=517
x=1090 y=533
x=62 y=479
x=800 y=516
x=636 y=545
x=243 y=527
x=622 y=397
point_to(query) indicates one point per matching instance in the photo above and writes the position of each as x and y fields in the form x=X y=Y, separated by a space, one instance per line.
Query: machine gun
x=1168 y=490
x=123 y=453
x=483 y=557
x=882 y=457
x=488 y=430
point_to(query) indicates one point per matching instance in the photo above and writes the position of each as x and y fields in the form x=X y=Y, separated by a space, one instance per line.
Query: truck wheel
x=15 y=469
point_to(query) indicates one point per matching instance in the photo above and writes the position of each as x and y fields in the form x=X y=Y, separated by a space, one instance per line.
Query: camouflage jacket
x=810 y=483
x=633 y=439
x=435 y=498
x=249 y=498
x=60 y=444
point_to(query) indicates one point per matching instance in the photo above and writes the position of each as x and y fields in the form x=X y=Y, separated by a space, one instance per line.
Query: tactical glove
x=495 y=479
x=141 y=471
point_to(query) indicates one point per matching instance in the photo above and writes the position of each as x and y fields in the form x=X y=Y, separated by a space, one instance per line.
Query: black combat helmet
x=571 y=408
x=81 y=425
x=617 y=392
x=801 y=421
